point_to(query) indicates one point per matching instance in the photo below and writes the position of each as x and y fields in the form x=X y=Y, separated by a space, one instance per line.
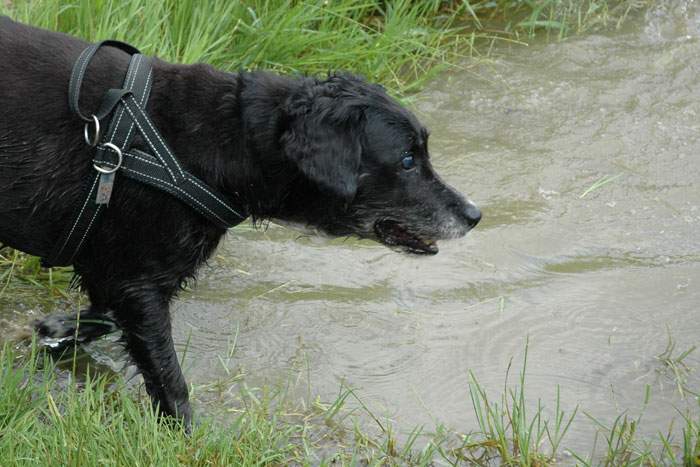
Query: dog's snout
x=464 y=211
x=472 y=214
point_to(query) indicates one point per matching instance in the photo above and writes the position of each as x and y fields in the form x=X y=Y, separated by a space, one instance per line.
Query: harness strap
x=138 y=83
x=79 y=69
x=153 y=139
x=160 y=169
x=75 y=233
x=146 y=168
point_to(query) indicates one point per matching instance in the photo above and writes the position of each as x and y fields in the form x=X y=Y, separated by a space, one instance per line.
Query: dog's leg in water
x=60 y=330
x=145 y=321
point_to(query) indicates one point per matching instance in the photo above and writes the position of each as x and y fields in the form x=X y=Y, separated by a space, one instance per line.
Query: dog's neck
x=227 y=131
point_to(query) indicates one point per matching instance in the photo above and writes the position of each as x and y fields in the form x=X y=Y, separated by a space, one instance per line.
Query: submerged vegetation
x=47 y=417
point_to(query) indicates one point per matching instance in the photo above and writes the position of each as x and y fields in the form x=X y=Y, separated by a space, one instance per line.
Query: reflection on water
x=593 y=280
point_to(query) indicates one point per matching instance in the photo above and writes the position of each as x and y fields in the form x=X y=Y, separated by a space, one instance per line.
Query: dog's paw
x=56 y=331
x=56 y=326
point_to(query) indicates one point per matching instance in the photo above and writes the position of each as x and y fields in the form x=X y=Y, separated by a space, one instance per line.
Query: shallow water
x=593 y=280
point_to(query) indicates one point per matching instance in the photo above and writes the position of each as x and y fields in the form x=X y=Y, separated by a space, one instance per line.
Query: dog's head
x=364 y=168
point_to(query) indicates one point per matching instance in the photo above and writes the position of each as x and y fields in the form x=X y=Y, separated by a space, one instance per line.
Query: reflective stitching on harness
x=186 y=188
x=148 y=85
x=129 y=83
x=201 y=187
x=171 y=186
x=143 y=98
x=80 y=214
x=148 y=139
x=128 y=154
x=77 y=248
x=193 y=180
x=157 y=135
x=132 y=155
x=142 y=159
x=163 y=182
x=74 y=84
x=165 y=147
x=178 y=189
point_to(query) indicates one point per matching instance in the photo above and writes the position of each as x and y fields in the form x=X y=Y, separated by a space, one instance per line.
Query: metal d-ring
x=110 y=170
x=86 y=132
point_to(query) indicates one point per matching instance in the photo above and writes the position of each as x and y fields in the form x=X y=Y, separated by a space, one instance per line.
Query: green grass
x=555 y=19
x=673 y=365
x=400 y=43
x=509 y=435
x=96 y=423
x=50 y=417
x=23 y=280
x=602 y=181
x=50 y=420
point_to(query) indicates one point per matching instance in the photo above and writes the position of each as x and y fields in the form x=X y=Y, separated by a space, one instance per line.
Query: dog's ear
x=322 y=138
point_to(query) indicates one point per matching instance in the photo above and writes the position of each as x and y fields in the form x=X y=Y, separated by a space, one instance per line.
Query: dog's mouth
x=393 y=234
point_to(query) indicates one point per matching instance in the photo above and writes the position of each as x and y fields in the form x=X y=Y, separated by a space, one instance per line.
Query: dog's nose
x=472 y=214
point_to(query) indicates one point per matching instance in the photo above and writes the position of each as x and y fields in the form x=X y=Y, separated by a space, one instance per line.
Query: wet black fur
x=325 y=153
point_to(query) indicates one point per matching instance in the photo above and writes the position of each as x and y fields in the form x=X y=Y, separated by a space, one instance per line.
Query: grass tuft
x=507 y=433
x=675 y=365
x=557 y=19
x=22 y=276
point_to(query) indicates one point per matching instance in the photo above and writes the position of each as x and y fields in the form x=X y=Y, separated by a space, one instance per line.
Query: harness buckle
x=86 y=132
x=120 y=159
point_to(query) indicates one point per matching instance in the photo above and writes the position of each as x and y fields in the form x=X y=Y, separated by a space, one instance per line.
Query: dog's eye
x=407 y=161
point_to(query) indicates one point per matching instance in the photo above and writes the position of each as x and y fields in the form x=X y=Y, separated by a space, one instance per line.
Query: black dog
x=337 y=154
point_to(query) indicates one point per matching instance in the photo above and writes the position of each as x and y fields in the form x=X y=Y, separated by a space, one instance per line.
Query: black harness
x=113 y=153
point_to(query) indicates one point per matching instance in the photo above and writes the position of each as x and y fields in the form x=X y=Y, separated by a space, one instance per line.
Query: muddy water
x=594 y=279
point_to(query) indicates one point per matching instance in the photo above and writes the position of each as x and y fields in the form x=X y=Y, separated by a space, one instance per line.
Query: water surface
x=594 y=280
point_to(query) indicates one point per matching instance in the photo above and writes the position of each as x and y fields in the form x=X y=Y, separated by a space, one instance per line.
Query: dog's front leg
x=145 y=321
